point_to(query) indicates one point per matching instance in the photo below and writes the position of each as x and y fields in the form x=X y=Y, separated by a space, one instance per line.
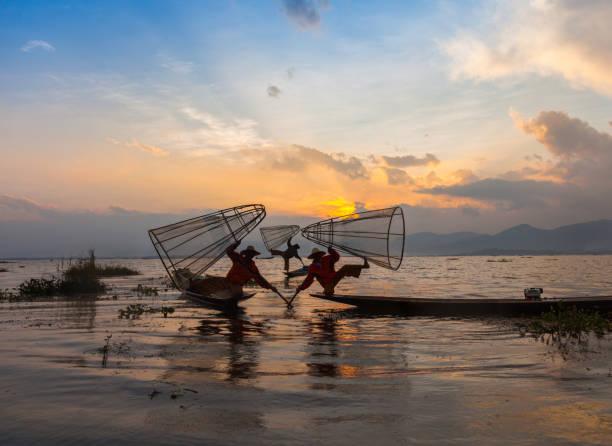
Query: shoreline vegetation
x=83 y=278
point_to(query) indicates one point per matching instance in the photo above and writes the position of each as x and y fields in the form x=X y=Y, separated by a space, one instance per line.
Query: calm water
x=266 y=375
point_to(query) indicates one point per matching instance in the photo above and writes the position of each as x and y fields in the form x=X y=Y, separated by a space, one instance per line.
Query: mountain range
x=593 y=237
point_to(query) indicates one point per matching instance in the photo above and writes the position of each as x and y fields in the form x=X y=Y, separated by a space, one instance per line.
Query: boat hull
x=467 y=307
x=296 y=272
x=215 y=301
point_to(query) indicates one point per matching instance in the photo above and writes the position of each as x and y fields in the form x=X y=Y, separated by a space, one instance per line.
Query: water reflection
x=242 y=337
x=80 y=313
x=322 y=347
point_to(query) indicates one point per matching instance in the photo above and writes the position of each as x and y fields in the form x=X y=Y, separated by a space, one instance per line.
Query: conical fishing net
x=377 y=235
x=276 y=236
x=188 y=248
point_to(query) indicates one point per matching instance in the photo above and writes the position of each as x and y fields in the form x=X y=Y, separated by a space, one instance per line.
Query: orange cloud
x=147 y=148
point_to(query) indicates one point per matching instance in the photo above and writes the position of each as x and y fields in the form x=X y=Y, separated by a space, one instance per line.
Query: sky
x=471 y=115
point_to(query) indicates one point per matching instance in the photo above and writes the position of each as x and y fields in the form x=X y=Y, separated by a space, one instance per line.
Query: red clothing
x=242 y=271
x=323 y=271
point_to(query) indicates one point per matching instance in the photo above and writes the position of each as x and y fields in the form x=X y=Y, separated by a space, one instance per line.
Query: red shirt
x=242 y=271
x=323 y=271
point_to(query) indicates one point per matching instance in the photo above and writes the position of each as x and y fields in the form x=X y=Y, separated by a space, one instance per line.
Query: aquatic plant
x=565 y=327
x=105 y=349
x=167 y=310
x=132 y=311
x=41 y=287
x=7 y=294
x=143 y=290
x=80 y=278
x=3 y=270
x=115 y=270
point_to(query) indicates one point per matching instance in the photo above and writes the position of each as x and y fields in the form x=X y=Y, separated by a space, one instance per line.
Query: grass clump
x=115 y=270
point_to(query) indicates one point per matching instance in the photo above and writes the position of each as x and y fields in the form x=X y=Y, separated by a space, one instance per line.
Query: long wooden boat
x=217 y=301
x=467 y=307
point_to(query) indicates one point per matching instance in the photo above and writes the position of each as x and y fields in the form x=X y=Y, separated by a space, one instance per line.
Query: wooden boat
x=297 y=272
x=217 y=301
x=468 y=307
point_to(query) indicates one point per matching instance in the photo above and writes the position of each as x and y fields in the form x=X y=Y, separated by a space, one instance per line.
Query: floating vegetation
x=499 y=261
x=167 y=310
x=168 y=284
x=133 y=311
x=153 y=394
x=7 y=294
x=143 y=290
x=176 y=393
x=105 y=349
x=565 y=328
x=3 y=270
x=77 y=279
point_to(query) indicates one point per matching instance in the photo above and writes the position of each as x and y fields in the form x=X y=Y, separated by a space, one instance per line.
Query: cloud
x=22 y=209
x=411 y=160
x=177 y=66
x=217 y=134
x=296 y=158
x=147 y=148
x=465 y=176
x=32 y=44
x=273 y=91
x=567 y=38
x=397 y=176
x=564 y=136
x=520 y=194
x=472 y=212
x=304 y=13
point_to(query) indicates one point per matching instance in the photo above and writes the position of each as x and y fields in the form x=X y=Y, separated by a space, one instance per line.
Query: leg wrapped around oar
x=345 y=271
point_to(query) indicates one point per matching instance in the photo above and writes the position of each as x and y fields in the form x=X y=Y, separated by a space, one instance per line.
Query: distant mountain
x=582 y=238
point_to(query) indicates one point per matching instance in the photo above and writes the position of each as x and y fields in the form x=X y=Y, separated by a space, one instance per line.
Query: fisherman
x=287 y=254
x=322 y=269
x=243 y=269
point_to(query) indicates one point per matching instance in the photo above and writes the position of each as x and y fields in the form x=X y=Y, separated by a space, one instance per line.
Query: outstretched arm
x=261 y=280
x=307 y=281
x=231 y=250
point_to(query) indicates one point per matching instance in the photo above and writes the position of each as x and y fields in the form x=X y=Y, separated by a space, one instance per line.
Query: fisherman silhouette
x=287 y=254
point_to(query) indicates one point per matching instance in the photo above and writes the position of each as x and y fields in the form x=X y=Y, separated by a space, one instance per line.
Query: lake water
x=318 y=373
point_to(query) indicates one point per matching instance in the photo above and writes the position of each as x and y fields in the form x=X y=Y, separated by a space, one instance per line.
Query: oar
x=283 y=297
x=293 y=297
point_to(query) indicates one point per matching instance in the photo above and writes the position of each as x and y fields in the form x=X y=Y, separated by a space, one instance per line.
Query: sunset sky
x=473 y=115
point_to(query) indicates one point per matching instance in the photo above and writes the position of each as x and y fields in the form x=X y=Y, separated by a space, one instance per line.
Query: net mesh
x=276 y=236
x=188 y=248
x=377 y=235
